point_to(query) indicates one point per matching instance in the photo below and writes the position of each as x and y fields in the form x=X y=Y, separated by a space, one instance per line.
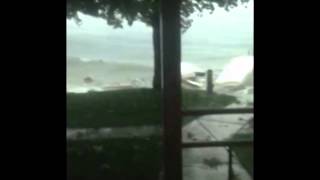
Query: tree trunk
x=156 y=49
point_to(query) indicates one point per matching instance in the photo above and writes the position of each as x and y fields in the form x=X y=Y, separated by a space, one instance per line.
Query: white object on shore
x=189 y=70
x=83 y=89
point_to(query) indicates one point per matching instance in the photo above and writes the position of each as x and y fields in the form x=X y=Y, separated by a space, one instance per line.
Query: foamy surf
x=236 y=71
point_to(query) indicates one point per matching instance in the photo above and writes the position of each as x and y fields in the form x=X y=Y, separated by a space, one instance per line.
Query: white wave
x=237 y=70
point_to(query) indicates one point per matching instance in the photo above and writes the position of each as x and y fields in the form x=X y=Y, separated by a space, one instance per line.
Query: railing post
x=230 y=162
x=209 y=82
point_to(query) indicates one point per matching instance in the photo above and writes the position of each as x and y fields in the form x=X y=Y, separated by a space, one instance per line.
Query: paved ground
x=211 y=128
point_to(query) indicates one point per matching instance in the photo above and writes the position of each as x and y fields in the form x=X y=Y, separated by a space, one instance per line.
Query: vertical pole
x=171 y=87
x=209 y=82
x=230 y=170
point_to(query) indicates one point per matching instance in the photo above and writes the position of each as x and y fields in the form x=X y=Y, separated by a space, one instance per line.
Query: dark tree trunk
x=156 y=49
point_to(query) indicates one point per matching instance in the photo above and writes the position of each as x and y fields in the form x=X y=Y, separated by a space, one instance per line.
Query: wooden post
x=209 y=82
x=230 y=169
x=171 y=87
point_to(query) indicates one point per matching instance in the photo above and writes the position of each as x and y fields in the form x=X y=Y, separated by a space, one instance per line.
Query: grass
x=134 y=107
x=113 y=108
x=245 y=154
x=121 y=159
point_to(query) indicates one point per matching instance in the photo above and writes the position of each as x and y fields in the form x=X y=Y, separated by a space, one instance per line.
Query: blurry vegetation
x=120 y=159
x=244 y=154
x=134 y=107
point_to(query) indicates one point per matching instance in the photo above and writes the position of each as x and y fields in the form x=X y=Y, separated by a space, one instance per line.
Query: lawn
x=244 y=154
x=120 y=159
x=134 y=107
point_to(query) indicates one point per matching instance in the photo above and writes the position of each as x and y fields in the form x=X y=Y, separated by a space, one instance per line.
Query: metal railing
x=202 y=112
x=228 y=144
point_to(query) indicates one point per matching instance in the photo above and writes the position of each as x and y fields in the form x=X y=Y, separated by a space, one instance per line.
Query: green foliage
x=113 y=108
x=121 y=159
x=244 y=154
x=134 y=107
